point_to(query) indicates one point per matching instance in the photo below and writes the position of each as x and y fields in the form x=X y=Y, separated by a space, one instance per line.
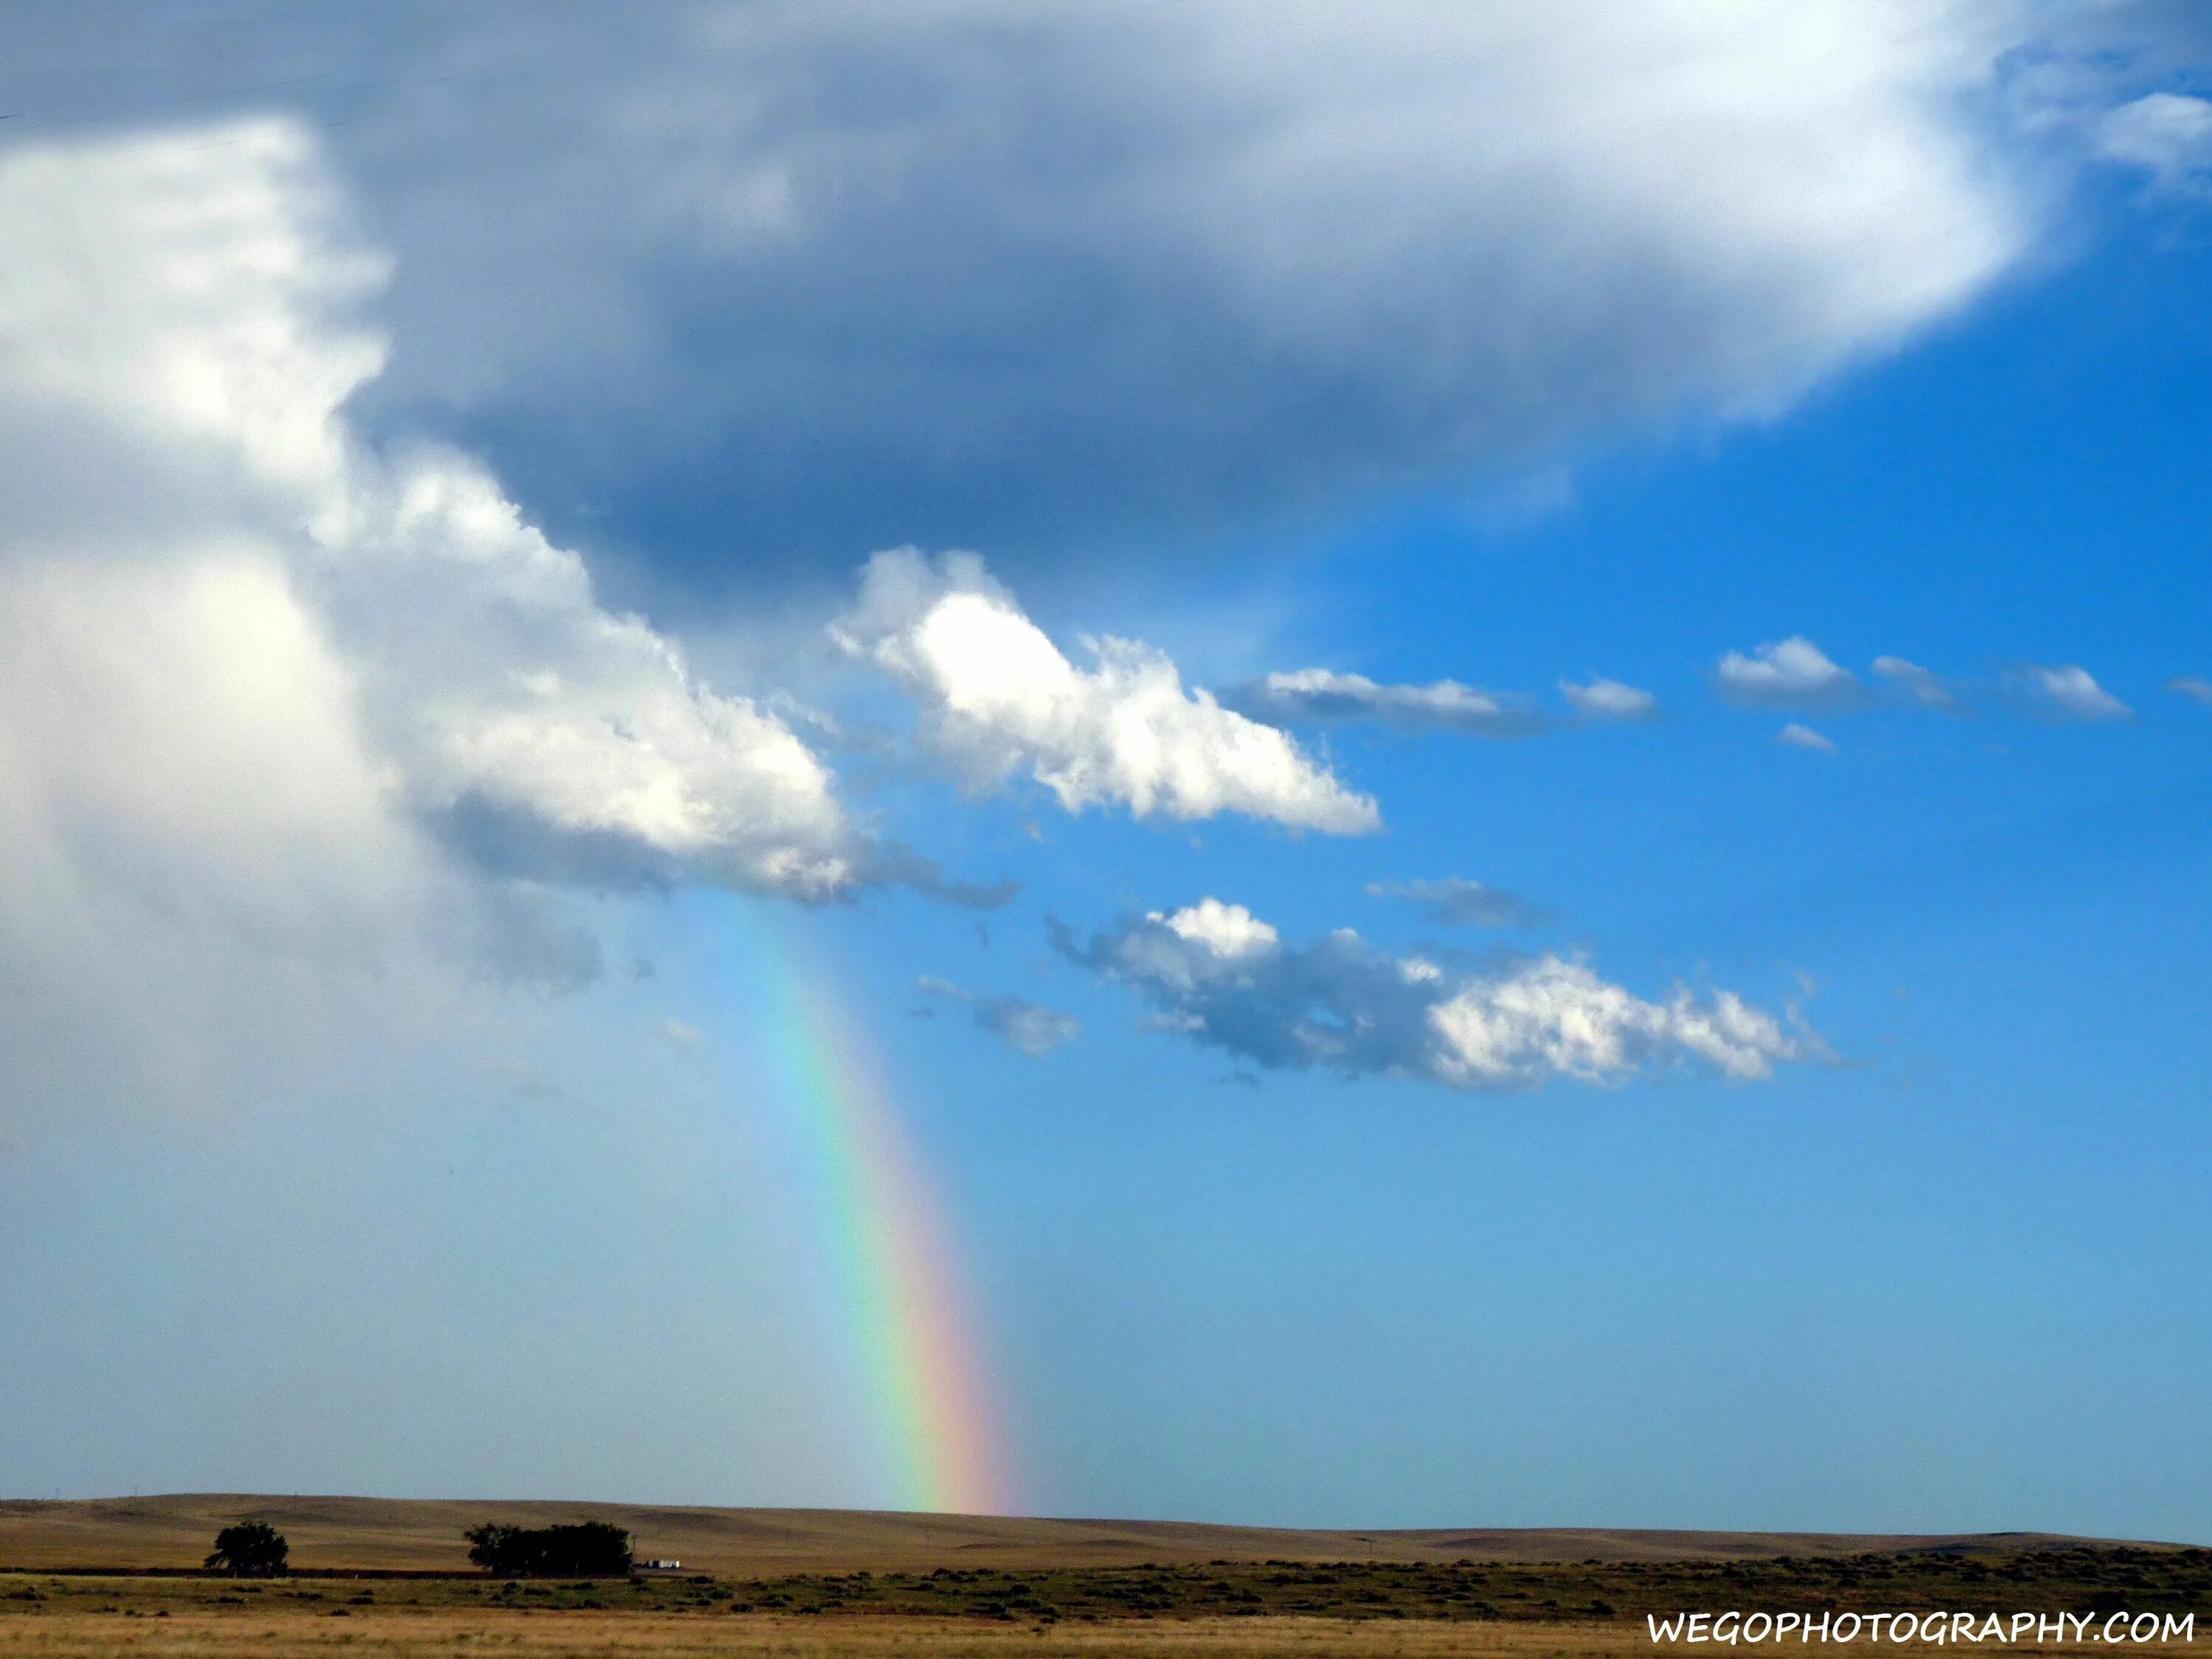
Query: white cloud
x=302 y=736
x=1145 y=265
x=1791 y=673
x=1794 y=736
x=204 y=417
x=1919 y=685
x=2194 y=687
x=2167 y=134
x=1343 y=1005
x=2067 y=693
x=1455 y=901
x=1229 y=931
x=1028 y=1027
x=505 y=688
x=997 y=698
x=1321 y=696
x=1610 y=699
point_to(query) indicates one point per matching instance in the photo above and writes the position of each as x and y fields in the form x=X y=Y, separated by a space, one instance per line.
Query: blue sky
x=1802 y=1124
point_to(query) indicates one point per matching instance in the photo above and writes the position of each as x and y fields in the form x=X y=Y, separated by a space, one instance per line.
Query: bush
x=587 y=1549
x=251 y=1549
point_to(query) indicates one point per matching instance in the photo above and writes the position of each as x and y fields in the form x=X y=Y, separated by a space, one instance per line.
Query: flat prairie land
x=1343 y=1608
x=260 y=1634
x=560 y=1635
x=391 y=1579
x=418 y=1535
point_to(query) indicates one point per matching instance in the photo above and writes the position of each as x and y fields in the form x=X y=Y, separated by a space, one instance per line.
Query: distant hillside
x=377 y=1533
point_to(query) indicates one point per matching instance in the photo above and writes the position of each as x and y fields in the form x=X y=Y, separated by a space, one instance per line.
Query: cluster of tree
x=251 y=1549
x=587 y=1549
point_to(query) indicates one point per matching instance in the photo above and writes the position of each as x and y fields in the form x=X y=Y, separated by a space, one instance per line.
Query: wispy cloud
x=1455 y=901
x=1794 y=736
x=1323 y=697
x=2194 y=687
x=1029 y=1027
x=1218 y=975
x=2166 y=134
x=1922 y=687
x=2067 y=694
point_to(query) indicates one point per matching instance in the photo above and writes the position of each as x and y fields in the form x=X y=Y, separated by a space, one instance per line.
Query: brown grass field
x=390 y=1578
x=622 y=1636
x=263 y=1631
x=417 y=1535
x=626 y=1637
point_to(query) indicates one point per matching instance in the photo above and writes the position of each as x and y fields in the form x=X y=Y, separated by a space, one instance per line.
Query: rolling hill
x=387 y=1534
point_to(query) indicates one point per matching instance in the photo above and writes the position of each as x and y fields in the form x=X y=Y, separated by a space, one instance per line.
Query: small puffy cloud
x=2194 y=687
x=1793 y=673
x=1920 y=686
x=1229 y=931
x=1455 y=901
x=1323 y=697
x=2167 y=134
x=1220 y=976
x=1029 y=1027
x=1794 y=736
x=1034 y=1030
x=997 y=698
x=676 y=1032
x=2068 y=693
x=1609 y=700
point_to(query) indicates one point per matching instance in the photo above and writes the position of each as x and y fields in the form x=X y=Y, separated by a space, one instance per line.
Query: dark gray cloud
x=760 y=282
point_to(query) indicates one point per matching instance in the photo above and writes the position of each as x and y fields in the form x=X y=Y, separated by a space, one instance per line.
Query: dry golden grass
x=257 y=1632
x=385 y=1533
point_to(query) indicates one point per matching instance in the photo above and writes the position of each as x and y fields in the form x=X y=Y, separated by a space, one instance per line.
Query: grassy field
x=172 y=1531
x=621 y=1636
x=994 y=1587
x=261 y=1629
x=1350 y=1607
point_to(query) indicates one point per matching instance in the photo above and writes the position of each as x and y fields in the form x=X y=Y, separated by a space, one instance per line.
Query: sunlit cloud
x=997 y=698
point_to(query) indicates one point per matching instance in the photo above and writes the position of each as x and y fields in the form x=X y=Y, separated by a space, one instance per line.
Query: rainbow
x=903 y=1324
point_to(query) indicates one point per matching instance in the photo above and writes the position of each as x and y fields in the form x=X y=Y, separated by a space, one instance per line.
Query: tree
x=251 y=1549
x=588 y=1549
